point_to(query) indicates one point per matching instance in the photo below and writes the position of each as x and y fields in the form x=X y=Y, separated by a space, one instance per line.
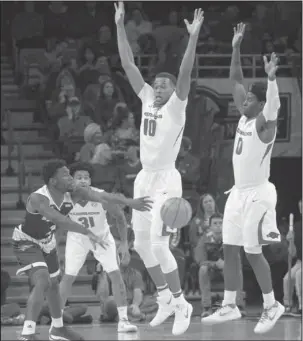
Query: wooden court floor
x=285 y=329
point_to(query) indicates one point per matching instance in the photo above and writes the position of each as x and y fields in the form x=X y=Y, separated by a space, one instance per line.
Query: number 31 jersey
x=161 y=130
x=91 y=215
x=251 y=156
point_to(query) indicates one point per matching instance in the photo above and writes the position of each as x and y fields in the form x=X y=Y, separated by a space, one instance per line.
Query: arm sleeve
x=146 y=93
x=272 y=105
x=178 y=108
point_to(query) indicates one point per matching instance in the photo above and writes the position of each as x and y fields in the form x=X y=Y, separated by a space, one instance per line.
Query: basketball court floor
x=285 y=329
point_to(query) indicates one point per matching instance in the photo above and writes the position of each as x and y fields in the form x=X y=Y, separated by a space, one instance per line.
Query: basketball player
x=250 y=215
x=162 y=125
x=92 y=216
x=35 y=243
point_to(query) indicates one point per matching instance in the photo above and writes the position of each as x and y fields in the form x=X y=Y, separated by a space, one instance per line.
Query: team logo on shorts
x=273 y=235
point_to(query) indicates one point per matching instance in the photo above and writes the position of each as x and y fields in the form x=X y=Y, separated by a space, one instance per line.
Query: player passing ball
x=250 y=211
x=162 y=125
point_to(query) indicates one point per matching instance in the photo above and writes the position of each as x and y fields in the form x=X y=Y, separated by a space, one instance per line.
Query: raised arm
x=235 y=73
x=184 y=77
x=126 y=55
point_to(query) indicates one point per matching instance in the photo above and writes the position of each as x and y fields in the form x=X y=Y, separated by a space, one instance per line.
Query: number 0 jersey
x=91 y=215
x=161 y=130
x=251 y=156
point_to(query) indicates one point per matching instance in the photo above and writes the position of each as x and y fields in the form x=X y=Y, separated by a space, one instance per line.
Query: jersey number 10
x=87 y=222
x=149 y=127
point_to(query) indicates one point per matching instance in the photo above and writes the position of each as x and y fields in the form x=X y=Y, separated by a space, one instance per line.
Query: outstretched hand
x=120 y=13
x=194 y=27
x=238 y=35
x=141 y=204
x=271 y=66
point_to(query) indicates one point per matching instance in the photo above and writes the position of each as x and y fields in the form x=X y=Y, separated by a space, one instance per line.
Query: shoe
x=269 y=318
x=165 y=310
x=183 y=314
x=64 y=333
x=28 y=337
x=287 y=311
x=226 y=313
x=124 y=326
x=206 y=312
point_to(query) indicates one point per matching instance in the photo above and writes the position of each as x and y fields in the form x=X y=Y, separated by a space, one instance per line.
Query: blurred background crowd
x=66 y=60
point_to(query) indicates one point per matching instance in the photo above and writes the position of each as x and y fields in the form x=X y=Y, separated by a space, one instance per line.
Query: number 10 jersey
x=251 y=156
x=161 y=130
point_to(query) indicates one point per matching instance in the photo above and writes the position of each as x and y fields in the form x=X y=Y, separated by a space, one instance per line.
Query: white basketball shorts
x=159 y=185
x=77 y=248
x=250 y=217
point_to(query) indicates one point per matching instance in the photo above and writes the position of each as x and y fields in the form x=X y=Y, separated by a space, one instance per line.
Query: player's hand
x=238 y=35
x=140 y=204
x=96 y=240
x=120 y=13
x=194 y=28
x=271 y=66
x=220 y=264
x=290 y=236
x=123 y=252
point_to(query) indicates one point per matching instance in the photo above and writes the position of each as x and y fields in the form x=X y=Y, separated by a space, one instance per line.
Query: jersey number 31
x=149 y=127
x=87 y=222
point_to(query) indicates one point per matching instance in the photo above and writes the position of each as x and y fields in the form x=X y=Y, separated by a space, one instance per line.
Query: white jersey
x=161 y=130
x=91 y=215
x=251 y=156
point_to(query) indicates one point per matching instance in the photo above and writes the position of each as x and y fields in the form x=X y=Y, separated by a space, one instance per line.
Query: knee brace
x=143 y=246
x=255 y=250
x=160 y=248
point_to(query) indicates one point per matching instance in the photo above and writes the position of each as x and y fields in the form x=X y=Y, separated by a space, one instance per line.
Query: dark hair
x=259 y=90
x=50 y=168
x=122 y=114
x=82 y=53
x=215 y=216
x=168 y=75
x=81 y=166
x=115 y=94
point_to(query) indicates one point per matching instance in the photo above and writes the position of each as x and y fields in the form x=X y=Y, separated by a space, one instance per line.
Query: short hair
x=168 y=75
x=50 y=168
x=81 y=166
x=259 y=90
x=215 y=216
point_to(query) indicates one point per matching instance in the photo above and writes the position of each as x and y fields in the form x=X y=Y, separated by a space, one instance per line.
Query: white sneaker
x=165 y=310
x=269 y=318
x=182 y=318
x=226 y=313
x=125 y=327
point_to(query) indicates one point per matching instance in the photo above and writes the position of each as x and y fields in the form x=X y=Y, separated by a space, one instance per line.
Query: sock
x=122 y=312
x=269 y=299
x=229 y=297
x=179 y=298
x=29 y=327
x=164 y=292
x=57 y=323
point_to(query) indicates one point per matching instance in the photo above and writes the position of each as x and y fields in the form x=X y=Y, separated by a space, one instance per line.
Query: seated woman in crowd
x=92 y=137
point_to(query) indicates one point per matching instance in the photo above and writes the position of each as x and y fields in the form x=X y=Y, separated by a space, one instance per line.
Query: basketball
x=176 y=212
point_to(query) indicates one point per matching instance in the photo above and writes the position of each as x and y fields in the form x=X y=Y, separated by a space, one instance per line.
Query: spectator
x=27 y=27
x=200 y=224
x=135 y=27
x=57 y=20
x=87 y=58
x=123 y=128
x=209 y=257
x=10 y=312
x=71 y=128
x=296 y=270
x=92 y=138
x=130 y=168
x=106 y=174
x=188 y=165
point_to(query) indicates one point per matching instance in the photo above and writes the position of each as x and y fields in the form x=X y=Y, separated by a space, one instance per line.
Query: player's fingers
x=195 y=14
x=243 y=28
x=235 y=30
x=116 y=7
x=265 y=60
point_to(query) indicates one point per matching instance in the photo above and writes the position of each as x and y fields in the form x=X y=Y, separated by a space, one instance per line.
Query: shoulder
x=146 y=93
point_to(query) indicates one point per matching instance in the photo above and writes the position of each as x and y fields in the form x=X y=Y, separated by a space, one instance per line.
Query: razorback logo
x=273 y=235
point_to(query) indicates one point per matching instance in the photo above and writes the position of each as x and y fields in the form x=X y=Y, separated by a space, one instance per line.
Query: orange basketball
x=176 y=212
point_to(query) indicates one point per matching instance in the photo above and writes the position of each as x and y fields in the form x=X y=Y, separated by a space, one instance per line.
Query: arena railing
x=10 y=143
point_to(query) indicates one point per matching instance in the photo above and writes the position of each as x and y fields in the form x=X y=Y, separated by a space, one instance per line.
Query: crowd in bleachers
x=93 y=114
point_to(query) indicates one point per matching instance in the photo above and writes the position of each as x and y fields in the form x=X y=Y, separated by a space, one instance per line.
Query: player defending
x=92 y=216
x=162 y=125
x=35 y=243
x=250 y=215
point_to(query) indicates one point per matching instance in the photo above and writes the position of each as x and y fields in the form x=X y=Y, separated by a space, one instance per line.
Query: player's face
x=82 y=178
x=63 y=181
x=163 y=89
x=208 y=204
x=252 y=107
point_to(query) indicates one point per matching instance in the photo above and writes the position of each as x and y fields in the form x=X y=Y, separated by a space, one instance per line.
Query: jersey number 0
x=87 y=222
x=239 y=146
x=149 y=127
